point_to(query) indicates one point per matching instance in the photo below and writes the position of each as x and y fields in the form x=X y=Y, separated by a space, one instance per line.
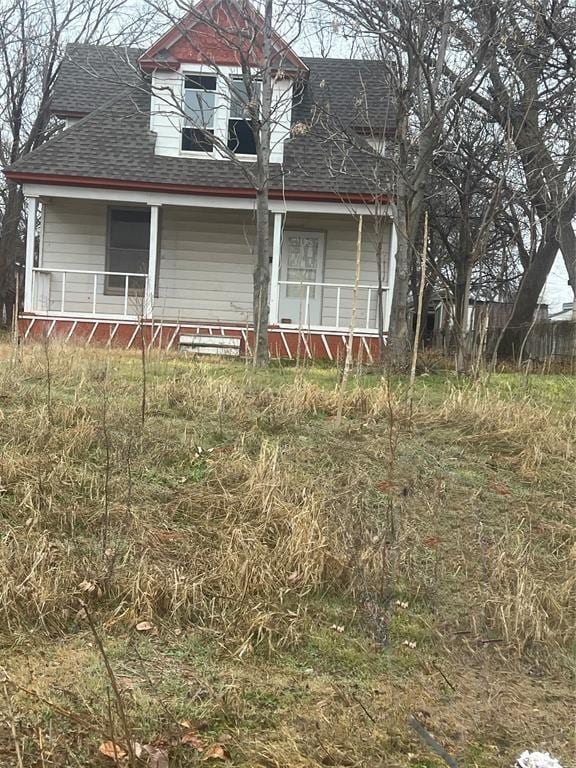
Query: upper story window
x=240 y=134
x=199 y=110
x=217 y=112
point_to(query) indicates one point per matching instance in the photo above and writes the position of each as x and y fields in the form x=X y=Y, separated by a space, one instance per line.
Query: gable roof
x=113 y=146
x=195 y=39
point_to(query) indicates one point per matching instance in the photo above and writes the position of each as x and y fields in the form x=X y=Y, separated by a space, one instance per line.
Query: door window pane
x=301 y=265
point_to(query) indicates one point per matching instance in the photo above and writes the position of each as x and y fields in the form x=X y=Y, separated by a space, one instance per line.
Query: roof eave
x=24 y=177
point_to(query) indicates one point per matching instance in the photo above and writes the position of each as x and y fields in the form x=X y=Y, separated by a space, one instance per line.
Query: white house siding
x=165 y=118
x=205 y=265
x=205 y=262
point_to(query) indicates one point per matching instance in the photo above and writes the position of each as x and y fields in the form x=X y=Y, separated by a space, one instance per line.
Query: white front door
x=301 y=265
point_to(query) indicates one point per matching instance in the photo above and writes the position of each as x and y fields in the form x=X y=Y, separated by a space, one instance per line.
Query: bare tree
x=468 y=197
x=414 y=43
x=530 y=93
x=33 y=34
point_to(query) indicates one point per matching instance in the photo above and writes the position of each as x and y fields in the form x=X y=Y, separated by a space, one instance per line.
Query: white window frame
x=221 y=109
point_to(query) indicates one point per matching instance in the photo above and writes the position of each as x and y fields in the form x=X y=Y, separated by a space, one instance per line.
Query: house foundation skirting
x=284 y=343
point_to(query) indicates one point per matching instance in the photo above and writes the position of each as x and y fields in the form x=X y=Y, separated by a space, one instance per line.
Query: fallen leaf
x=194 y=725
x=191 y=739
x=158 y=756
x=385 y=486
x=500 y=488
x=216 y=752
x=112 y=750
x=144 y=626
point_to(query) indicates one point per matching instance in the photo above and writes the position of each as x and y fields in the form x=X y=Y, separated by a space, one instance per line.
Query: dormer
x=205 y=79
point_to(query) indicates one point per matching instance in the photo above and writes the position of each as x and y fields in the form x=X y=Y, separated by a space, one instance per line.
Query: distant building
x=439 y=320
x=566 y=313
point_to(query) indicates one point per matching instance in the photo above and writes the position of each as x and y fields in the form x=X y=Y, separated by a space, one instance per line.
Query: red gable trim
x=183 y=189
x=148 y=60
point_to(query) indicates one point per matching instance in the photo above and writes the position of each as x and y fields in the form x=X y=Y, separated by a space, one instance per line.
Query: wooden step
x=201 y=344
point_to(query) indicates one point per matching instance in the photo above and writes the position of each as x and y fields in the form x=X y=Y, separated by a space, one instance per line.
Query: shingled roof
x=113 y=142
x=91 y=75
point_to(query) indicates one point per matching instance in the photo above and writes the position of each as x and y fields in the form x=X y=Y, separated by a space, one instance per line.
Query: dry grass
x=527 y=430
x=233 y=538
x=278 y=530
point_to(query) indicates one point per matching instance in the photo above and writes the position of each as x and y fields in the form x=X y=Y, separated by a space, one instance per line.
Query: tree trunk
x=398 y=338
x=511 y=338
x=261 y=304
x=424 y=340
x=10 y=246
x=380 y=294
x=461 y=305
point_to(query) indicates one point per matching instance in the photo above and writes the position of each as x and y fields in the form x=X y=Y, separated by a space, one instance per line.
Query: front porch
x=90 y=276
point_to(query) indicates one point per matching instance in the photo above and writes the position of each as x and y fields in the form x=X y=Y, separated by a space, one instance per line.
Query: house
x=565 y=314
x=137 y=217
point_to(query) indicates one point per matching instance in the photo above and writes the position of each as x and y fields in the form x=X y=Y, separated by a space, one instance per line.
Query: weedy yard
x=195 y=559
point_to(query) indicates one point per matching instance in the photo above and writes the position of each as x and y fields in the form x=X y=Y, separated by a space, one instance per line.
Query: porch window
x=128 y=249
x=240 y=134
x=199 y=108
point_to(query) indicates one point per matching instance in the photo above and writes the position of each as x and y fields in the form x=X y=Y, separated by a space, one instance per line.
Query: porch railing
x=89 y=294
x=336 y=305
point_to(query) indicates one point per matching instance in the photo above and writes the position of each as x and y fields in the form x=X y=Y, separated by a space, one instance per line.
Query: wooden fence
x=556 y=340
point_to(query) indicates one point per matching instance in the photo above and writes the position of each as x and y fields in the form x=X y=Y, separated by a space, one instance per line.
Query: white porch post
x=152 y=259
x=32 y=205
x=275 y=270
x=391 y=273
